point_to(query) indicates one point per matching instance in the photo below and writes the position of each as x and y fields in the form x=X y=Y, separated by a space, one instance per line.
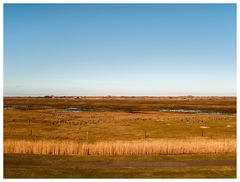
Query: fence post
x=30 y=127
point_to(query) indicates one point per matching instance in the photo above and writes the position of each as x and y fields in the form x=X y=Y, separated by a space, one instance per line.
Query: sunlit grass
x=123 y=148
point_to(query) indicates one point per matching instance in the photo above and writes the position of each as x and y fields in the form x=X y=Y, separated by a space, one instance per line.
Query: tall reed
x=122 y=148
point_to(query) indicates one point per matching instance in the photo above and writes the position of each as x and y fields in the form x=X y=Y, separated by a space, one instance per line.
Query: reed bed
x=122 y=148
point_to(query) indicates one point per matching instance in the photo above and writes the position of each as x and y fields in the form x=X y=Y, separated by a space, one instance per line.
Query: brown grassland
x=119 y=126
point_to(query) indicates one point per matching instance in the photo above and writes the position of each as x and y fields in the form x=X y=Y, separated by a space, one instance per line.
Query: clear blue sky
x=143 y=49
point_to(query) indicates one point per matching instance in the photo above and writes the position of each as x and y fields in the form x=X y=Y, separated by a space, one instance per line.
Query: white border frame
x=115 y=1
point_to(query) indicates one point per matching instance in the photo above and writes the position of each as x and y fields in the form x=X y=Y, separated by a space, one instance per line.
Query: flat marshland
x=96 y=131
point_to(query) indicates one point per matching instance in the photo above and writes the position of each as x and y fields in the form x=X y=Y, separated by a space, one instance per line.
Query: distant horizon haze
x=120 y=96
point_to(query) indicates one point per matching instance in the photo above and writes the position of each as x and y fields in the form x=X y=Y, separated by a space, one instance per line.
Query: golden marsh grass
x=122 y=148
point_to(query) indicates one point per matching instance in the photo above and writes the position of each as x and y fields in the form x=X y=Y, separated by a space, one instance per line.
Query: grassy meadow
x=129 y=129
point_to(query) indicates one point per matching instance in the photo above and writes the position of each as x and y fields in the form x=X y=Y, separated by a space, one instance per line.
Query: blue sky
x=106 y=49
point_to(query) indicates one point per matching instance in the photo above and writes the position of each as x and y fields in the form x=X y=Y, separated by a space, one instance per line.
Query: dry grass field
x=119 y=126
x=123 y=148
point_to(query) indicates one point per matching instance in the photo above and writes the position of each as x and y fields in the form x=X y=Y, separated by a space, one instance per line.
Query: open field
x=128 y=104
x=41 y=118
x=126 y=128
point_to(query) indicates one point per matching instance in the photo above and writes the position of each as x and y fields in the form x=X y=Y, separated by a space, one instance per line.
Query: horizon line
x=58 y=96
